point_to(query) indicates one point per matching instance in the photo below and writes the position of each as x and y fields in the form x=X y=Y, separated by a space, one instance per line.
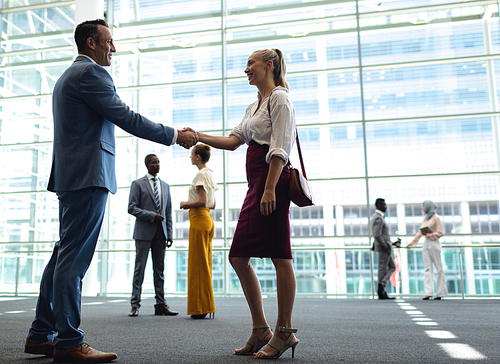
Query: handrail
x=18 y=254
x=323 y=237
x=297 y=248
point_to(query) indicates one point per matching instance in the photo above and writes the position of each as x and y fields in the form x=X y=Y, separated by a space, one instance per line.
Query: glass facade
x=393 y=99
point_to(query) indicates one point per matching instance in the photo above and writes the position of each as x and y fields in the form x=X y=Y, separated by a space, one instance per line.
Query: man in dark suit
x=383 y=246
x=86 y=109
x=150 y=203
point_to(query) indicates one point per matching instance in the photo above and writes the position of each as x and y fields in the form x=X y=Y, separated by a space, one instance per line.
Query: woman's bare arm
x=230 y=142
x=268 y=201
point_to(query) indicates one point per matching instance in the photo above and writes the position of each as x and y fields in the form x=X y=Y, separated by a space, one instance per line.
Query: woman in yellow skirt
x=201 y=231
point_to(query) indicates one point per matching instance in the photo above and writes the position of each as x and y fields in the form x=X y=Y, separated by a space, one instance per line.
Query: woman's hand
x=184 y=205
x=268 y=202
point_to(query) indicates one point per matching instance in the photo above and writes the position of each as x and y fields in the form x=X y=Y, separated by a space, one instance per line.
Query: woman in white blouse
x=201 y=231
x=431 y=251
x=263 y=228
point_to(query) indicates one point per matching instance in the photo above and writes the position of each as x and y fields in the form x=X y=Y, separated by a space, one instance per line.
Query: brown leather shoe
x=82 y=353
x=46 y=348
x=164 y=310
x=134 y=312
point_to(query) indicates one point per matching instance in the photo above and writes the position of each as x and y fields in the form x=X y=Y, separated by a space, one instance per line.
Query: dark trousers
x=386 y=266
x=142 y=247
x=58 y=309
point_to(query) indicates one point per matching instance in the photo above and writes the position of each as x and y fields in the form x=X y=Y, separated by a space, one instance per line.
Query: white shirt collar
x=150 y=176
x=380 y=212
x=84 y=55
x=259 y=96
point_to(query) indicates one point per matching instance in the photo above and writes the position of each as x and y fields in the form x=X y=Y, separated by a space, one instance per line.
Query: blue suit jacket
x=142 y=205
x=86 y=109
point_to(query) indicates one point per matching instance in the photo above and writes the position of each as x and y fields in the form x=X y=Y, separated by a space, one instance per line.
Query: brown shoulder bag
x=300 y=191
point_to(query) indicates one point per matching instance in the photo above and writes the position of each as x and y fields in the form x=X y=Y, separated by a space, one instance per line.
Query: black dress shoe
x=437 y=298
x=380 y=291
x=46 y=348
x=164 y=310
x=426 y=298
x=134 y=312
x=386 y=297
x=382 y=294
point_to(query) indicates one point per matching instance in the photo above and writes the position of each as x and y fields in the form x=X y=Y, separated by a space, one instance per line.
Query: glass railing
x=471 y=270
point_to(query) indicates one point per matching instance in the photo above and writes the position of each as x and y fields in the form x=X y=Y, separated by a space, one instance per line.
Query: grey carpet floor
x=330 y=331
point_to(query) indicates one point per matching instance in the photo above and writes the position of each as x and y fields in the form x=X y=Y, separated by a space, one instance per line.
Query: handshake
x=187 y=137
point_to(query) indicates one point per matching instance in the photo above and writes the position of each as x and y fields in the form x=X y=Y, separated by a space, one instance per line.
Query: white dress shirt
x=204 y=178
x=256 y=124
x=152 y=184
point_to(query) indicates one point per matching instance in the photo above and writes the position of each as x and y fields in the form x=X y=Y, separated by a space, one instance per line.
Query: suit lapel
x=148 y=187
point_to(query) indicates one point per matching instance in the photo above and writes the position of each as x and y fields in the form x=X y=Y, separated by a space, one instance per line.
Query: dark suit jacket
x=142 y=205
x=380 y=232
x=86 y=109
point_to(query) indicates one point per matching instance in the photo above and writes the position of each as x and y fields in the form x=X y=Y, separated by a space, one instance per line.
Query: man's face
x=383 y=207
x=153 y=166
x=104 y=47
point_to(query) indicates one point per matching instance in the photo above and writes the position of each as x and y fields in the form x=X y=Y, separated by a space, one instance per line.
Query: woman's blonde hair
x=203 y=151
x=279 y=66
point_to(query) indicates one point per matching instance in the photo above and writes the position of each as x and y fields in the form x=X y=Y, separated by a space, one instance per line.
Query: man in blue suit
x=150 y=203
x=86 y=109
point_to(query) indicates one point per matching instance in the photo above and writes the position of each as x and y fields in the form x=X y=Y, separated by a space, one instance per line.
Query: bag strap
x=296 y=139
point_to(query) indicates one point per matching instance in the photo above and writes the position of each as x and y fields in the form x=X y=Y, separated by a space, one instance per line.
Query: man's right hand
x=397 y=243
x=186 y=138
x=159 y=218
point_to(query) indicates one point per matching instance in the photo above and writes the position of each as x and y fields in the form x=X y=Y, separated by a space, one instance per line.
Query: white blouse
x=204 y=178
x=256 y=124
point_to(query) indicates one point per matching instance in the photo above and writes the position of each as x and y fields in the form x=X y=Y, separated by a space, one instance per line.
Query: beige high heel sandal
x=280 y=345
x=255 y=342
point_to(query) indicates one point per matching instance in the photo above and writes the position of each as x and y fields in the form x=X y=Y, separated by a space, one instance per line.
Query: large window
x=394 y=99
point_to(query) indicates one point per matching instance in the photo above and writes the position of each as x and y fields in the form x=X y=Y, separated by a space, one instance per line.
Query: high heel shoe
x=202 y=316
x=199 y=317
x=255 y=342
x=280 y=345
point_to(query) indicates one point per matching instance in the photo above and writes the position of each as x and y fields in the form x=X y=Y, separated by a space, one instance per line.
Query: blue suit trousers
x=58 y=309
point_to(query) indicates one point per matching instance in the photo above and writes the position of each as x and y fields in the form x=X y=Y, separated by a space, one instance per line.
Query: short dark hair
x=379 y=202
x=89 y=28
x=148 y=158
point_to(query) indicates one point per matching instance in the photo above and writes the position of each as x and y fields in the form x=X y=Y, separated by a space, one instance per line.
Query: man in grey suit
x=86 y=109
x=150 y=203
x=383 y=246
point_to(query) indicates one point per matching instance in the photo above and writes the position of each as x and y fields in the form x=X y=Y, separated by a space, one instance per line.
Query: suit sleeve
x=98 y=91
x=134 y=203
x=168 y=213
x=378 y=225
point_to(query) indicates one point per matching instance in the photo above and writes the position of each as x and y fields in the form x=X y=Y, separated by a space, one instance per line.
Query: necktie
x=157 y=195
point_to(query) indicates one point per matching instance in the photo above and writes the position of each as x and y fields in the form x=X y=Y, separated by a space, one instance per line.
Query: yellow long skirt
x=200 y=290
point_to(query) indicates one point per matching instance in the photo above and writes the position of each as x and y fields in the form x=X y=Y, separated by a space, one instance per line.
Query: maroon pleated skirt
x=257 y=235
